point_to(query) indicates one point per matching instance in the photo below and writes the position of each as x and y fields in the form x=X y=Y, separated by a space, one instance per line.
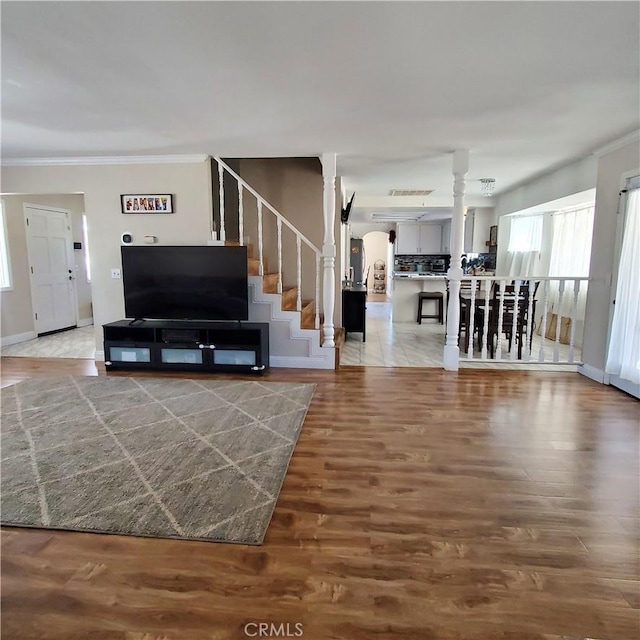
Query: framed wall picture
x=146 y=203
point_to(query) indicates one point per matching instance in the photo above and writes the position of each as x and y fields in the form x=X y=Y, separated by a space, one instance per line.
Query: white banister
x=528 y=337
x=485 y=329
x=556 y=346
x=279 y=255
x=328 y=252
x=471 y=320
x=545 y=309
x=451 y=354
x=513 y=347
x=240 y=214
x=317 y=325
x=260 y=248
x=498 y=352
x=299 y=273
x=223 y=232
x=329 y=244
x=519 y=313
x=574 y=308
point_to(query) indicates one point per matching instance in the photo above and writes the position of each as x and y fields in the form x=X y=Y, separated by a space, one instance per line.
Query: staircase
x=295 y=323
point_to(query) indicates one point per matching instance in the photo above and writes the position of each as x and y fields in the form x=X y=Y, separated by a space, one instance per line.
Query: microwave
x=439 y=265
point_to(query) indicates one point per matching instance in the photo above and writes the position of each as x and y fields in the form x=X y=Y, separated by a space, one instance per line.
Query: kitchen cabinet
x=354 y=315
x=446 y=237
x=419 y=239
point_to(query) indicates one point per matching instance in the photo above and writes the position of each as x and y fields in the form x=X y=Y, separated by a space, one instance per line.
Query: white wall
x=375 y=248
x=611 y=168
x=16 y=310
x=102 y=185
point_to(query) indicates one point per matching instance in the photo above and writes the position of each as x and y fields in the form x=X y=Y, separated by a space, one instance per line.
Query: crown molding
x=103 y=160
x=634 y=136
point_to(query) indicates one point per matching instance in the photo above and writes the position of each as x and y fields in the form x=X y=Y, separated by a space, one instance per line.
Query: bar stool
x=431 y=295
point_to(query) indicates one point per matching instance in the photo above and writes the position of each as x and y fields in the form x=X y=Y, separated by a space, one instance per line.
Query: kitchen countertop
x=414 y=275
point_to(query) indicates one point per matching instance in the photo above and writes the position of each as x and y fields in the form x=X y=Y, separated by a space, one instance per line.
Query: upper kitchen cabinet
x=420 y=239
x=446 y=236
x=478 y=223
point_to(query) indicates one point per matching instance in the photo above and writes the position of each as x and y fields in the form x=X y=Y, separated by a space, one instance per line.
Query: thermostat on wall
x=126 y=238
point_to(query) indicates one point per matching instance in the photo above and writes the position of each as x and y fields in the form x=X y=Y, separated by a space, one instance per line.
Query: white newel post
x=329 y=246
x=451 y=350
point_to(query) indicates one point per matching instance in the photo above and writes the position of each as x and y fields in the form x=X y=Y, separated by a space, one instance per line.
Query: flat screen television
x=185 y=283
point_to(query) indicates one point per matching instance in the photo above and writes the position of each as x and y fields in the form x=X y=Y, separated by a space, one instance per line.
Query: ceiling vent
x=410 y=192
x=395 y=217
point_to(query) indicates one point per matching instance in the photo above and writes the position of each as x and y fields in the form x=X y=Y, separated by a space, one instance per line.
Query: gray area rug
x=166 y=457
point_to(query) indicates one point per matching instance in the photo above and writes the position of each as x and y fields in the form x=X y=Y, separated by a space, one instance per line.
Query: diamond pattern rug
x=166 y=457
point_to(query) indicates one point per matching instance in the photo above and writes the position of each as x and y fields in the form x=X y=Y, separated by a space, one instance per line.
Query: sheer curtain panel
x=623 y=358
x=525 y=241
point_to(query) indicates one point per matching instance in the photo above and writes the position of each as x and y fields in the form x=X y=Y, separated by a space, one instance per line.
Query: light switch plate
x=115 y=273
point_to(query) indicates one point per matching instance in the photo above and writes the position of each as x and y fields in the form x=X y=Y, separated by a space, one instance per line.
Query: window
x=526 y=233
x=85 y=240
x=5 y=263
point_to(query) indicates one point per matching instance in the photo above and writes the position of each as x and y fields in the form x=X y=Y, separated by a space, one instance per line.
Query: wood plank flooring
x=419 y=504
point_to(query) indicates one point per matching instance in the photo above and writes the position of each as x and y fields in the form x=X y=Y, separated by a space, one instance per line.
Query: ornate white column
x=460 y=169
x=329 y=246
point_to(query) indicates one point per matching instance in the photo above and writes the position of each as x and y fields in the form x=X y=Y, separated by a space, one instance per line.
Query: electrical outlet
x=115 y=273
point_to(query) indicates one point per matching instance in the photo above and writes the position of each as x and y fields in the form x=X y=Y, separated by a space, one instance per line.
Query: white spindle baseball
x=240 y=214
x=543 y=331
x=556 y=346
x=528 y=336
x=471 y=319
x=223 y=232
x=517 y=288
x=318 y=256
x=260 y=256
x=299 y=272
x=279 y=223
x=500 y=312
x=574 y=308
x=485 y=328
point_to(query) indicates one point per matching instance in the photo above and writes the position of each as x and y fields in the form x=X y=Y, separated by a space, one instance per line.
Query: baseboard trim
x=85 y=322
x=17 y=338
x=593 y=373
x=301 y=362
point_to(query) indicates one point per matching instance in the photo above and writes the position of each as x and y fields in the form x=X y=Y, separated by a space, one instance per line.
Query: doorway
x=47 y=307
x=51 y=268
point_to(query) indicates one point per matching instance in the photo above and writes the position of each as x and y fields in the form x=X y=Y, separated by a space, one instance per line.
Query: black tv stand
x=186 y=345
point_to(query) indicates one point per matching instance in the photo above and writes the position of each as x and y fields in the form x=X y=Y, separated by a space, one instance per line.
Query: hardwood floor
x=419 y=504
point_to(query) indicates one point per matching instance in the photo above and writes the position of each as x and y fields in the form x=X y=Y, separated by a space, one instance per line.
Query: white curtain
x=525 y=241
x=571 y=256
x=623 y=358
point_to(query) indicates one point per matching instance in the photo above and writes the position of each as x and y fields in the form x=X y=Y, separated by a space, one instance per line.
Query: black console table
x=354 y=300
x=175 y=345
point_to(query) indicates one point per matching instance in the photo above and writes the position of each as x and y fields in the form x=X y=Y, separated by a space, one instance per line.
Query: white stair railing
x=281 y=222
x=499 y=307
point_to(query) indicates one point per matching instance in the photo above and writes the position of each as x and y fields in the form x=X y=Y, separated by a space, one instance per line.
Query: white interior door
x=51 y=268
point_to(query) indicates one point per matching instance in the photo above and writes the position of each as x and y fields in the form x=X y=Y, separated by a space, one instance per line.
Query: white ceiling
x=392 y=88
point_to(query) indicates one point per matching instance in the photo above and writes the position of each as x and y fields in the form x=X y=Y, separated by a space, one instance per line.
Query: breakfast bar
x=407 y=286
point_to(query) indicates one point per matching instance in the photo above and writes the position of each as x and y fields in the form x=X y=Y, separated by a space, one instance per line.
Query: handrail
x=470 y=277
x=273 y=210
